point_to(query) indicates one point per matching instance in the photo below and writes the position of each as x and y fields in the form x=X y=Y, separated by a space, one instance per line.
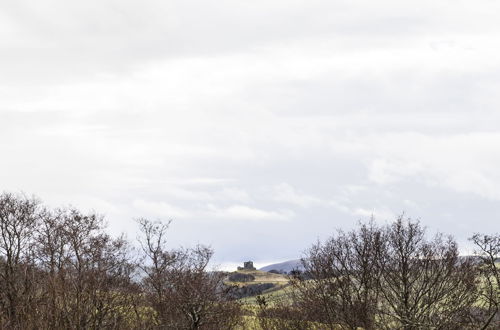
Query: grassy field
x=279 y=292
x=261 y=277
x=279 y=281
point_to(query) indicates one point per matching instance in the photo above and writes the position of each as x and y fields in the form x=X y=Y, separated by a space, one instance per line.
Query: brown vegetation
x=390 y=277
x=59 y=269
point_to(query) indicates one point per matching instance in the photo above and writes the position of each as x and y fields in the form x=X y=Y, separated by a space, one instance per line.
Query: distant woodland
x=60 y=269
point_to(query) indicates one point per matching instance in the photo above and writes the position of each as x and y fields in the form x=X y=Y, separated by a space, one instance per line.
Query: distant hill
x=284 y=267
x=287 y=266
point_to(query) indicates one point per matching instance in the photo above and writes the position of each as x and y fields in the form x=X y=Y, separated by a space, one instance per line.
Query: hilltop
x=284 y=267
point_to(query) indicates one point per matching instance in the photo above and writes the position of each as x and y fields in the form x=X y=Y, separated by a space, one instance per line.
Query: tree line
x=391 y=277
x=59 y=269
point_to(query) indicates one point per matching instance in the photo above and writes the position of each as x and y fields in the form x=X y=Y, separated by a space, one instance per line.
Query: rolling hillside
x=284 y=267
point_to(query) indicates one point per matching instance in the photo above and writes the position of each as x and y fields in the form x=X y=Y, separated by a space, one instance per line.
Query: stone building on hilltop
x=247 y=265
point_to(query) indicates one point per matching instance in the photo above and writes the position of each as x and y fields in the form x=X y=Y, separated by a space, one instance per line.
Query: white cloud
x=287 y=193
x=462 y=162
x=381 y=215
x=160 y=209
x=336 y=109
x=243 y=212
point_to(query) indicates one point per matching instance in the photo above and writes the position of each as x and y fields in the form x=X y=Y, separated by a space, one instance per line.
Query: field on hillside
x=258 y=283
x=279 y=293
x=260 y=277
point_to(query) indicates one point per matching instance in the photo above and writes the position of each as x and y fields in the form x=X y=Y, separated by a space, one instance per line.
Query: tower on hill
x=247 y=265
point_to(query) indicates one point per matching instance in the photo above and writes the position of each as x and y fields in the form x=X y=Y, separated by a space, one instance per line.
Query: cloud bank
x=257 y=127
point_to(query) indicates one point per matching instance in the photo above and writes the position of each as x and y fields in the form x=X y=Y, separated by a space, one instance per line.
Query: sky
x=258 y=127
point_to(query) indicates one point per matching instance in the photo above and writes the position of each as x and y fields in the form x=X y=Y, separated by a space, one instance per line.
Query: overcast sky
x=257 y=126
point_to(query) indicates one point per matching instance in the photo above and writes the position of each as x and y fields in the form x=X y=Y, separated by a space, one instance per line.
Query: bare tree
x=340 y=287
x=184 y=294
x=488 y=250
x=282 y=313
x=87 y=274
x=424 y=284
x=389 y=277
x=156 y=263
x=19 y=216
x=60 y=269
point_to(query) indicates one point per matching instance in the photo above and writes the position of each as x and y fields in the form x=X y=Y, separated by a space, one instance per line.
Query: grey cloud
x=56 y=40
x=257 y=126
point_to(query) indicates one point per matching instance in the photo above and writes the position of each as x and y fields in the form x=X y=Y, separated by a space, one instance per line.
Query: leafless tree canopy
x=59 y=269
x=391 y=277
x=181 y=290
x=488 y=249
x=19 y=218
x=343 y=274
x=424 y=283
